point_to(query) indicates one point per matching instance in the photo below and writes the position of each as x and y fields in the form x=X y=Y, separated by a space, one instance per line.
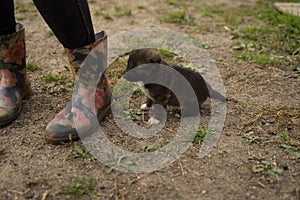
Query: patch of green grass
x=212 y=10
x=32 y=66
x=206 y=45
x=203 y=28
x=122 y=11
x=118 y=8
x=180 y=17
x=225 y=16
x=20 y=18
x=80 y=151
x=244 y=55
x=122 y=162
x=263 y=59
x=172 y=2
x=81 y=185
x=92 y=1
x=128 y=12
x=243 y=46
x=136 y=114
x=286 y=140
x=291 y=150
x=282 y=120
x=283 y=136
x=53 y=83
x=49 y=78
x=98 y=12
x=249 y=139
x=262 y=165
x=233 y=20
x=200 y=135
x=248 y=53
x=107 y=16
x=21 y=7
x=141 y=7
x=137 y=92
x=32 y=16
x=287 y=23
x=165 y=53
x=251 y=32
x=273 y=32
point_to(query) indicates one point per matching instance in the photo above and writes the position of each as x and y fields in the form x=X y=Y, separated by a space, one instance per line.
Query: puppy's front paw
x=144 y=107
x=153 y=121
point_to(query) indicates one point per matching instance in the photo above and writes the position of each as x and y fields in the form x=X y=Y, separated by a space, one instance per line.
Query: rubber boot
x=14 y=84
x=90 y=90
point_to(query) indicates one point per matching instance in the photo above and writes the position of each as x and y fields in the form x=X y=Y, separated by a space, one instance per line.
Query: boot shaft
x=13 y=60
x=14 y=85
x=12 y=50
x=92 y=54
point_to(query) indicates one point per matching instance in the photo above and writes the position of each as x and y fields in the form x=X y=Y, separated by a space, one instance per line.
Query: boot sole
x=11 y=119
x=74 y=136
x=18 y=112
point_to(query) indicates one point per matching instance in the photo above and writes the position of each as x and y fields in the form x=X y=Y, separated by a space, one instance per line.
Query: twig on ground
x=45 y=194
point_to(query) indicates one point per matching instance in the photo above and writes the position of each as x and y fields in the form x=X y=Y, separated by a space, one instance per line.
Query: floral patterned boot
x=91 y=97
x=14 y=85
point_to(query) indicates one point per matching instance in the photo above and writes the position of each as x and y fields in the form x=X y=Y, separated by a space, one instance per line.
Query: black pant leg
x=70 y=21
x=7 y=17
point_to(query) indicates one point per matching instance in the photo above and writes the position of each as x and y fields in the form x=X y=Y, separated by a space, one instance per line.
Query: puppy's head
x=139 y=57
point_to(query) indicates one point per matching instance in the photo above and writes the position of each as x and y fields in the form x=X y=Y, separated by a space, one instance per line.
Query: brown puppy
x=158 y=94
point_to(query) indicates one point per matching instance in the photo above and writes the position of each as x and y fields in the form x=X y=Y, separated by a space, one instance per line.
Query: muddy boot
x=86 y=73
x=14 y=85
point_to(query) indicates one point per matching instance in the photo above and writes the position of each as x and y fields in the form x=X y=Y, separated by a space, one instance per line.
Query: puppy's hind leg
x=157 y=114
x=147 y=105
x=188 y=110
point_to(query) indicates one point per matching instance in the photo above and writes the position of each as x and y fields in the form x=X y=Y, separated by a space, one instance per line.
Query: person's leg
x=14 y=85
x=69 y=20
x=7 y=17
x=71 y=23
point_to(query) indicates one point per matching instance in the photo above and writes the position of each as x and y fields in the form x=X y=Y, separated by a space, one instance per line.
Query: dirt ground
x=263 y=107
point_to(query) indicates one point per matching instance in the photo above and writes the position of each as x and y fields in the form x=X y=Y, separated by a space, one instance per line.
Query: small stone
x=28 y=195
x=271 y=120
x=272 y=131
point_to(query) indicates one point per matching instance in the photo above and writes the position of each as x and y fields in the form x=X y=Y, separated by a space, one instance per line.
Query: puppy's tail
x=215 y=94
